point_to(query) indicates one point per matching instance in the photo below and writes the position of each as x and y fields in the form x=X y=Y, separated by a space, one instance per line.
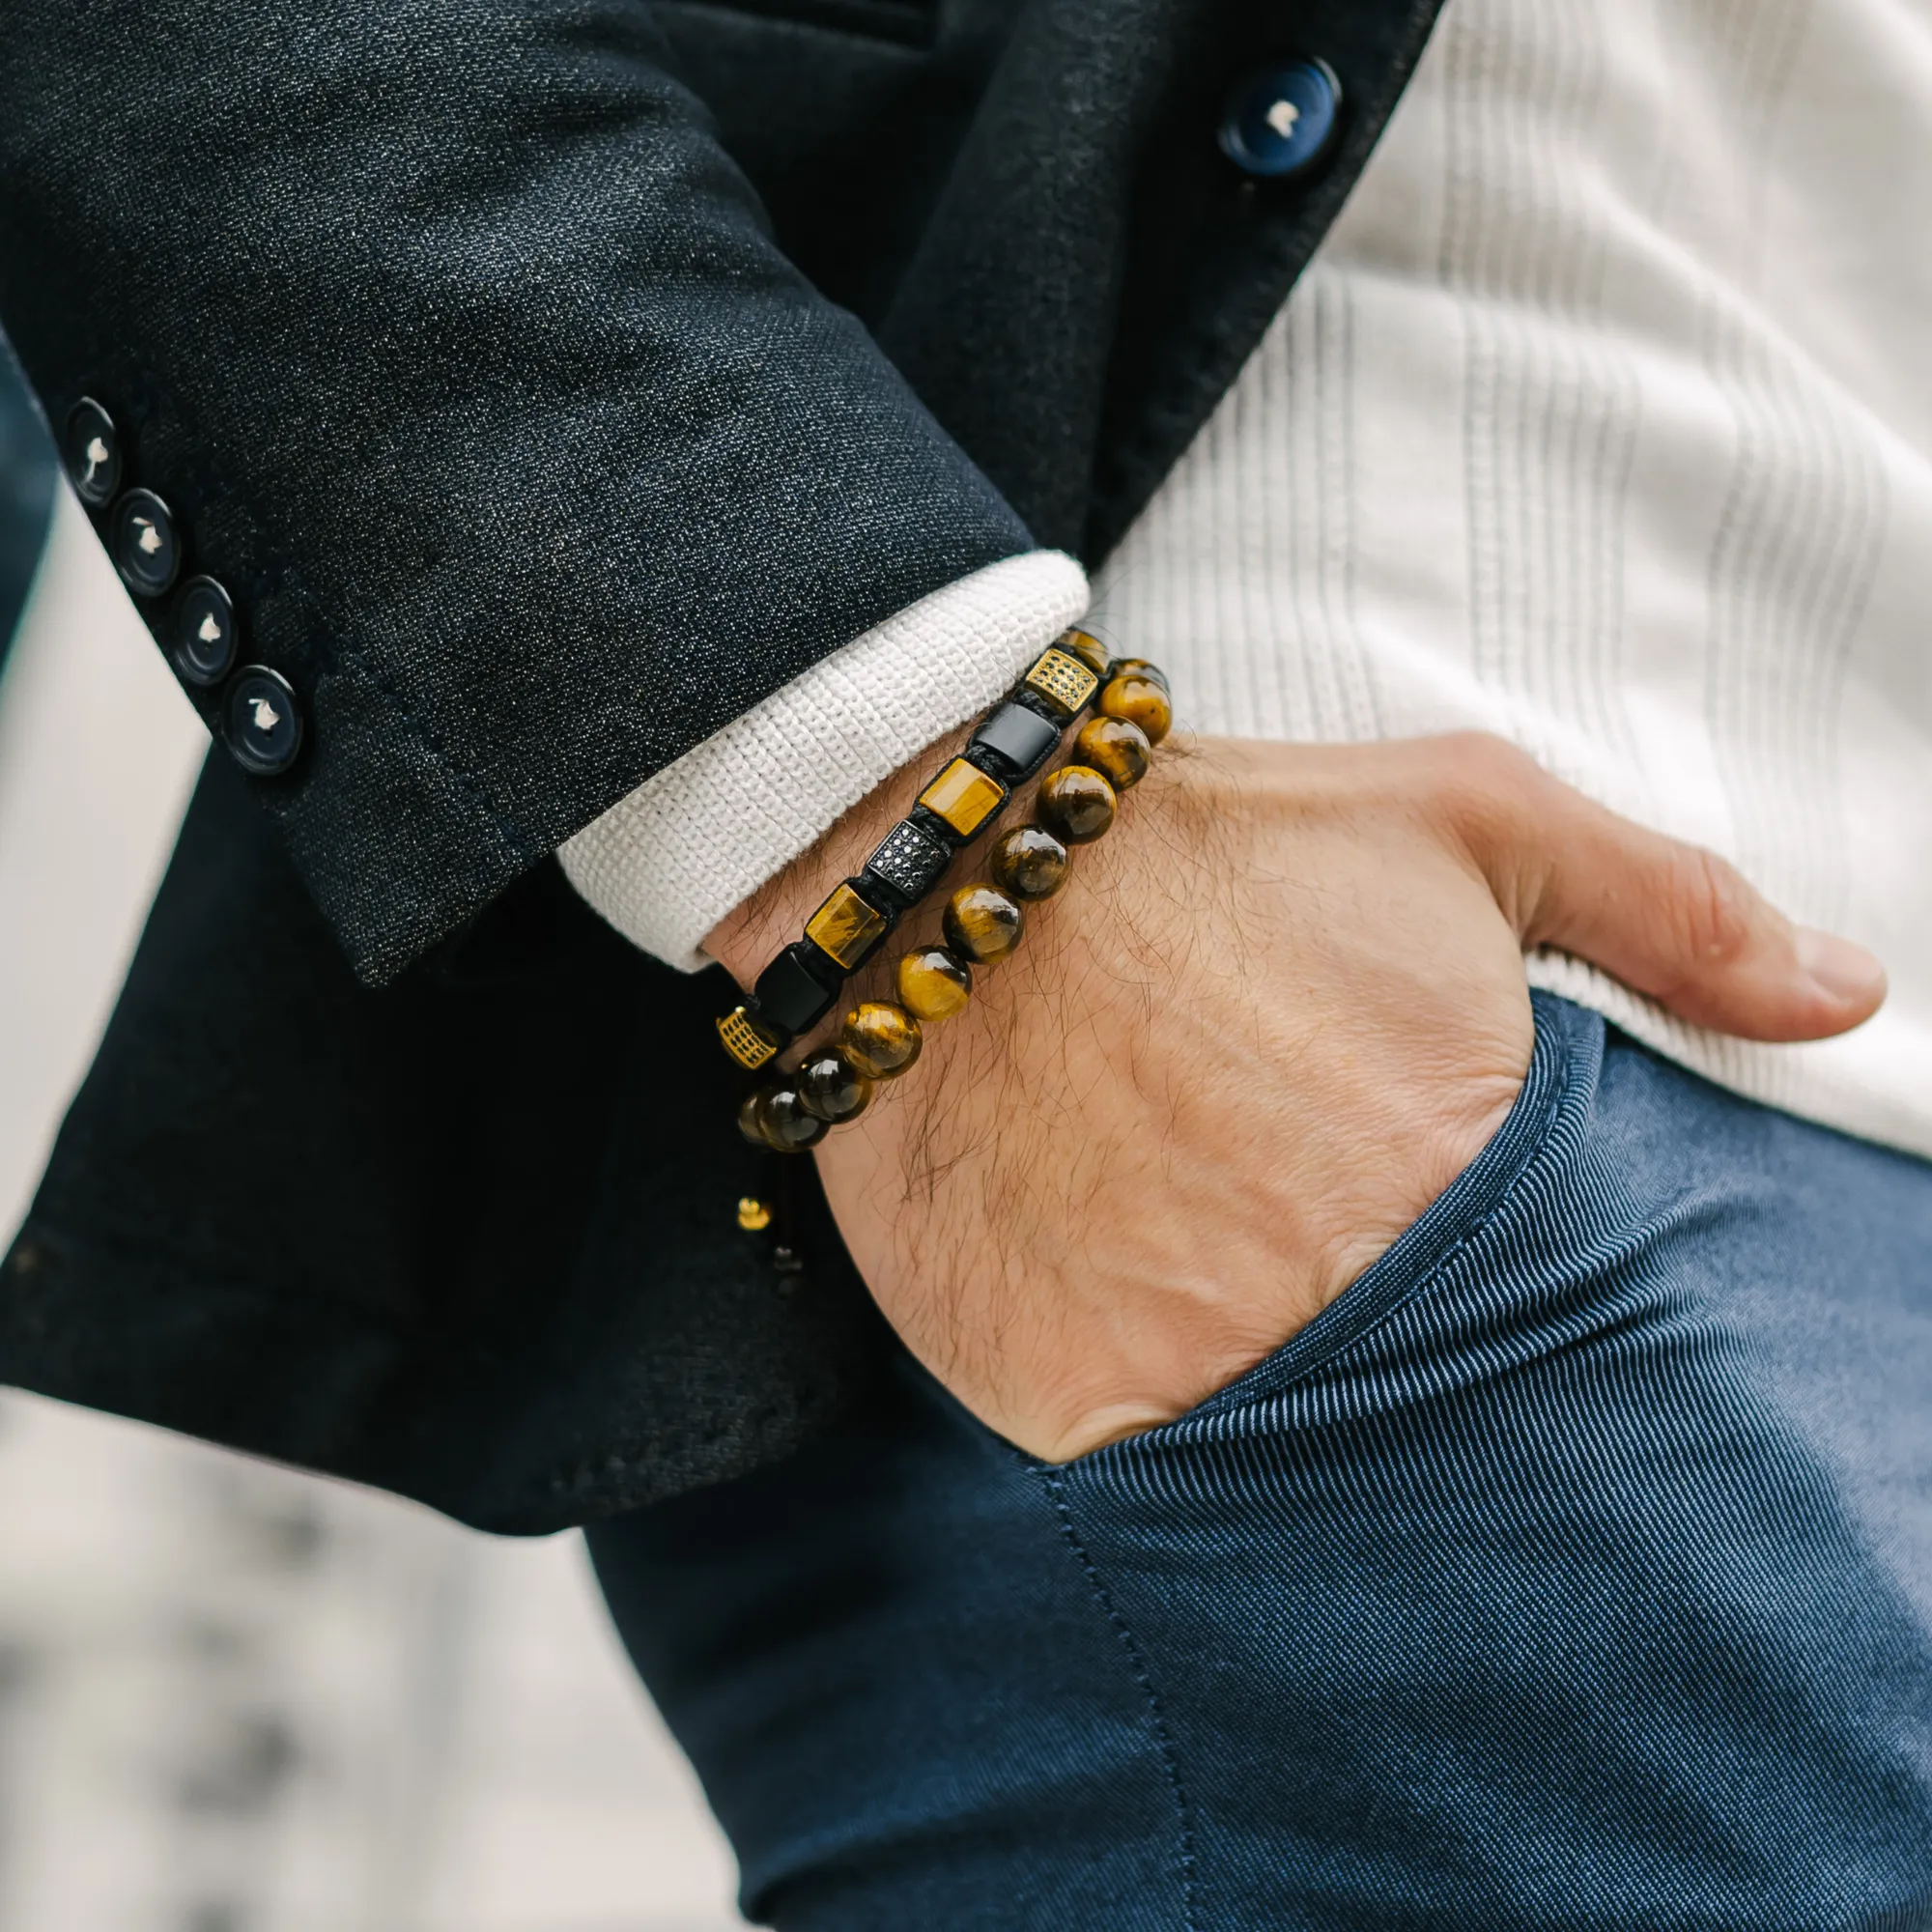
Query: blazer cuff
x=666 y=863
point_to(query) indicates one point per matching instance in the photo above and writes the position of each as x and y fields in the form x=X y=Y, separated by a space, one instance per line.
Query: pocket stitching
x=1055 y=1487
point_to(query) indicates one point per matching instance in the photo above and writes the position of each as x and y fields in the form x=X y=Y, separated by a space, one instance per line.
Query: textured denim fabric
x=1572 y=1571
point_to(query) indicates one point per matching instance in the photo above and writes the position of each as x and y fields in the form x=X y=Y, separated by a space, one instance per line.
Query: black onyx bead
x=142 y=539
x=1077 y=802
x=1019 y=737
x=750 y=1122
x=910 y=862
x=831 y=1087
x=787 y=1127
x=261 y=722
x=982 y=924
x=91 y=450
x=792 y=990
x=203 y=644
x=1029 y=862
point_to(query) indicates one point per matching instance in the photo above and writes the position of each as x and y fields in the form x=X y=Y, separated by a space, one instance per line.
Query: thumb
x=1669 y=919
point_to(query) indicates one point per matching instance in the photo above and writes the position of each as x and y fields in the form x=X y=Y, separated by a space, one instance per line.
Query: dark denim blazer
x=550 y=381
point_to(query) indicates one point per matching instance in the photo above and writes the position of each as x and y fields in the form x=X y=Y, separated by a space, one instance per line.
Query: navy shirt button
x=142 y=540
x=1280 y=121
x=261 y=722
x=203 y=642
x=91 y=449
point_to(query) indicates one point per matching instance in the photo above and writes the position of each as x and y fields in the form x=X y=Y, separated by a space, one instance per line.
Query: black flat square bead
x=798 y=989
x=909 y=862
x=1019 y=737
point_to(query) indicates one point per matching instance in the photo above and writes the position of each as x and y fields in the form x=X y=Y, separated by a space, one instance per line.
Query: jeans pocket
x=1568 y=1040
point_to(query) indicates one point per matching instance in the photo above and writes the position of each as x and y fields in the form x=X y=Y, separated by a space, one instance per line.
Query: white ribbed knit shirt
x=1604 y=421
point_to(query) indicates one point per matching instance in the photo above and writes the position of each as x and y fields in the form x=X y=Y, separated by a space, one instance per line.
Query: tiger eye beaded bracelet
x=1011 y=743
x=983 y=923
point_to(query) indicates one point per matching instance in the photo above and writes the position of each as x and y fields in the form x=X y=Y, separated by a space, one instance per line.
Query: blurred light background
x=235 y=1698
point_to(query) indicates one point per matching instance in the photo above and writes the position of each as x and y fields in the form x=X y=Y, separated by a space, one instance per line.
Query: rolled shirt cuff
x=664 y=865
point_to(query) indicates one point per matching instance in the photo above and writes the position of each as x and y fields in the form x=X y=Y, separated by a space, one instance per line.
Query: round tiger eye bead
x=830 y=1087
x=1141 y=702
x=1116 y=750
x=1140 y=667
x=787 y=1127
x=1091 y=651
x=934 y=985
x=881 y=1040
x=982 y=924
x=750 y=1118
x=1077 y=802
x=1028 y=862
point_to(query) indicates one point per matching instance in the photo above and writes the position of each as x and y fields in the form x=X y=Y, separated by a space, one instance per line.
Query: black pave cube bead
x=909 y=863
x=793 y=990
x=1018 y=736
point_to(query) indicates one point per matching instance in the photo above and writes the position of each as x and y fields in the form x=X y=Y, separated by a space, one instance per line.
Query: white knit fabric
x=664 y=865
x=1604 y=421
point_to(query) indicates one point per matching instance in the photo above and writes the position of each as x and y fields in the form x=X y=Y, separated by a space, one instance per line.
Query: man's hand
x=1268 y=1021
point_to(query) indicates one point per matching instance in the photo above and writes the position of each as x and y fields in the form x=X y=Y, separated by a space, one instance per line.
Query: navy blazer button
x=261 y=722
x=91 y=449
x=1280 y=121
x=142 y=540
x=202 y=644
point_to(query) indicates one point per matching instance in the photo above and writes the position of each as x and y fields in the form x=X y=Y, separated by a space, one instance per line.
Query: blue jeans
x=1572 y=1570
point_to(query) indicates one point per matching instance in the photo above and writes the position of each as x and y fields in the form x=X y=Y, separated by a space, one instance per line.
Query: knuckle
x=1483 y=786
x=1714 y=909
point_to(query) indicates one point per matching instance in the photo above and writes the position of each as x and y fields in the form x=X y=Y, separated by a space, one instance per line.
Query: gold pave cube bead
x=1062 y=681
x=964 y=797
x=846 y=928
x=746 y=1040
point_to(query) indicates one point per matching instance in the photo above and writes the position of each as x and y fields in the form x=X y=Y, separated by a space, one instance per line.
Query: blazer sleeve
x=460 y=353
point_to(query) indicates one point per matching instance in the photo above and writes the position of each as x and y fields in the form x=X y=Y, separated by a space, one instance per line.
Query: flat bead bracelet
x=984 y=923
x=1011 y=743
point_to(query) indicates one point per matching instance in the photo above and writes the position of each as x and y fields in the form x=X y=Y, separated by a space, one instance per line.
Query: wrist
x=746 y=939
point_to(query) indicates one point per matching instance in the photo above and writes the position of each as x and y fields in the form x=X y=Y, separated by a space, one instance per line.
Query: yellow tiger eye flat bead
x=1115 y=748
x=982 y=924
x=881 y=1040
x=1090 y=650
x=1141 y=702
x=933 y=984
x=1077 y=804
x=846 y=928
x=1028 y=861
x=830 y=1087
x=964 y=796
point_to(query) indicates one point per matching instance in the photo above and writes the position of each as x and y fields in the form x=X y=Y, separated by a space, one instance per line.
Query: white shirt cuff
x=664 y=865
